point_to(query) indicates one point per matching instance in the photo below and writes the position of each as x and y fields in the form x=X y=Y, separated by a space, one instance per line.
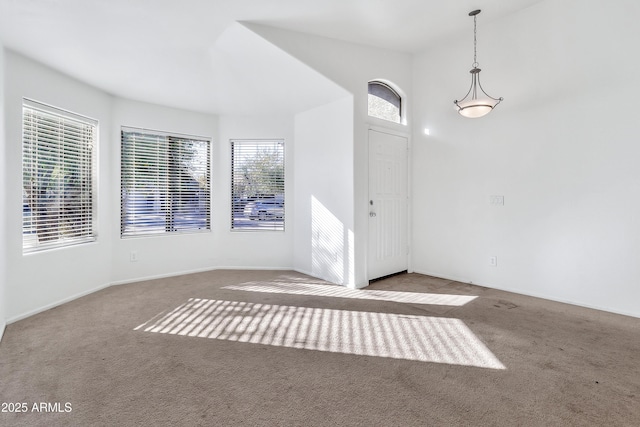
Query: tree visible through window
x=384 y=102
x=165 y=183
x=257 y=185
x=58 y=177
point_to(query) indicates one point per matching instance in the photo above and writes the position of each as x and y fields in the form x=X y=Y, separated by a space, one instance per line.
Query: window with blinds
x=257 y=185
x=58 y=177
x=165 y=183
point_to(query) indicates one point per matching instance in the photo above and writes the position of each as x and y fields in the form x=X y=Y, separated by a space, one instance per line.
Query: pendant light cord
x=475 y=43
x=477 y=102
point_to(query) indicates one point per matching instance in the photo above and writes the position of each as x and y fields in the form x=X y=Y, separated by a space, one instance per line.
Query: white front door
x=388 y=250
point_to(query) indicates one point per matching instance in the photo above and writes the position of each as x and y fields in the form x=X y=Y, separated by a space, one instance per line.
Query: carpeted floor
x=274 y=348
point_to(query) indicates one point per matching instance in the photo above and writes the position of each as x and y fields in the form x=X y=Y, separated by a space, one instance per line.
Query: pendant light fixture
x=476 y=103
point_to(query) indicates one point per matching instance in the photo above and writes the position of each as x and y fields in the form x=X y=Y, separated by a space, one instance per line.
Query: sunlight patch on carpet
x=342 y=292
x=410 y=337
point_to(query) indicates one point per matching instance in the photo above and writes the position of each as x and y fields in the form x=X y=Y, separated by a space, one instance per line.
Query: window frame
x=82 y=145
x=167 y=192
x=396 y=94
x=233 y=205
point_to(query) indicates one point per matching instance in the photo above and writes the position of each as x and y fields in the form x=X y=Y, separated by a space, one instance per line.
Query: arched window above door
x=384 y=102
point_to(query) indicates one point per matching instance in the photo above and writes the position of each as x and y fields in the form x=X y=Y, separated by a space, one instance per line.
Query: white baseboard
x=301 y=271
x=427 y=273
x=198 y=270
x=159 y=276
x=240 y=267
x=3 y=326
x=127 y=281
x=55 y=304
x=308 y=273
x=446 y=277
x=531 y=294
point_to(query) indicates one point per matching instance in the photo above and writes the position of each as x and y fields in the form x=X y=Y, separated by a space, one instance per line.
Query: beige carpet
x=265 y=348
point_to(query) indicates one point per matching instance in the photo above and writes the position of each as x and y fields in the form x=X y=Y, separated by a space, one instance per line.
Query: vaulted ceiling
x=194 y=54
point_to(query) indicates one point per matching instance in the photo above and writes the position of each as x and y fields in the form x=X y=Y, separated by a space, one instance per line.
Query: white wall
x=323 y=242
x=43 y=279
x=351 y=66
x=562 y=149
x=221 y=248
x=157 y=255
x=3 y=204
x=253 y=249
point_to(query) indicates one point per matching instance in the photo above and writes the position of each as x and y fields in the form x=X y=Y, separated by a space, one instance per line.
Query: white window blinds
x=257 y=185
x=165 y=183
x=58 y=184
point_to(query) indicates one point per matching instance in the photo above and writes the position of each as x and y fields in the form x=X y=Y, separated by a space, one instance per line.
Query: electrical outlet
x=133 y=256
x=493 y=261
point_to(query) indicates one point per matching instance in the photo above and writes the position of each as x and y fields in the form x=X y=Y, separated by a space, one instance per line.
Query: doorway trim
x=407 y=135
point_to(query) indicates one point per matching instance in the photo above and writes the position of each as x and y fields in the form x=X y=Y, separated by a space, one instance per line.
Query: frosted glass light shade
x=476 y=103
x=475 y=108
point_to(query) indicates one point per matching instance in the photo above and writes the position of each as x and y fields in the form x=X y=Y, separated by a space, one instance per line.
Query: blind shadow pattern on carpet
x=410 y=337
x=323 y=290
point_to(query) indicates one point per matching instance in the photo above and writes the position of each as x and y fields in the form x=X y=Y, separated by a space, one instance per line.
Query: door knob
x=372 y=214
